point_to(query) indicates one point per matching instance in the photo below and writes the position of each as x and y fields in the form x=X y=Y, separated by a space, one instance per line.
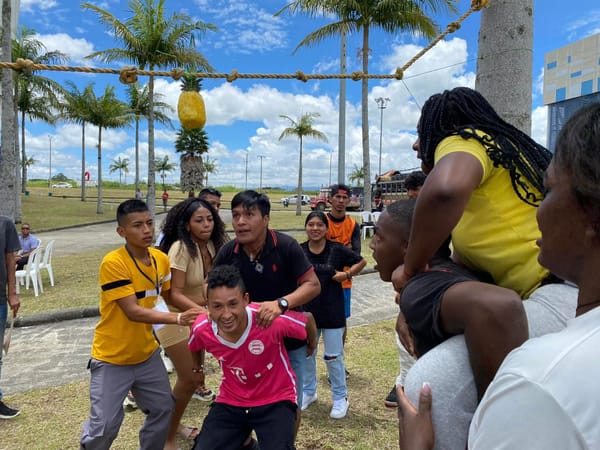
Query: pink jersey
x=256 y=369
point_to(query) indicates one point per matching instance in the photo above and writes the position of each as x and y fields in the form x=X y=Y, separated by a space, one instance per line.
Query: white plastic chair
x=46 y=262
x=31 y=272
x=366 y=224
x=375 y=216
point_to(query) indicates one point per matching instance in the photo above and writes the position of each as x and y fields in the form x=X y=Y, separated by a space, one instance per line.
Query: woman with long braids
x=485 y=179
x=193 y=233
x=484 y=183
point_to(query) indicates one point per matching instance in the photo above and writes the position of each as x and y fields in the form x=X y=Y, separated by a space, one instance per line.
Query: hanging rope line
x=129 y=75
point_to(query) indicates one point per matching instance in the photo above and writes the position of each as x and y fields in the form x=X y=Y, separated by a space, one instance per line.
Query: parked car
x=292 y=200
x=62 y=184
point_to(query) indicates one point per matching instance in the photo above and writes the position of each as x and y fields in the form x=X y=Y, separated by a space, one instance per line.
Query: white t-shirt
x=546 y=394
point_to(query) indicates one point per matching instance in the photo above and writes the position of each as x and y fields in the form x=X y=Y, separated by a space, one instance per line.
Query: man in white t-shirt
x=258 y=389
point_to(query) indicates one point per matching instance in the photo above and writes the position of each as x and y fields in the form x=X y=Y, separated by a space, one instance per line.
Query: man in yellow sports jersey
x=134 y=279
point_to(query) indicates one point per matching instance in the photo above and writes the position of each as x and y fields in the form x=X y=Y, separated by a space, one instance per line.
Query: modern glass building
x=571 y=81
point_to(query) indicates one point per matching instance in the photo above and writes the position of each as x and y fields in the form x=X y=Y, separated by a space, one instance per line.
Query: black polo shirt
x=275 y=272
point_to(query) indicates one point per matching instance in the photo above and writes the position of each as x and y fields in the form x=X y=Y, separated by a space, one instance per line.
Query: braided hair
x=462 y=111
x=175 y=226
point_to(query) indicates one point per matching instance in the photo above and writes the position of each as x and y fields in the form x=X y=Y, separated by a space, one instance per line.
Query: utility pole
x=381 y=104
x=330 y=161
x=342 y=114
x=246 y=185
x=50 y=166
x=261 y=160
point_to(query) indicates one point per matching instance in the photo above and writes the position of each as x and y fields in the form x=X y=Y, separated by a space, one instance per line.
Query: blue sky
x=243 y=117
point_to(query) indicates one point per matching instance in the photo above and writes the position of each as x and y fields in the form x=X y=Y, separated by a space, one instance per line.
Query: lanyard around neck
x=155 y=282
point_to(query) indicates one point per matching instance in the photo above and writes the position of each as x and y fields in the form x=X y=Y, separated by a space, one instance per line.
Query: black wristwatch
x=283 y=304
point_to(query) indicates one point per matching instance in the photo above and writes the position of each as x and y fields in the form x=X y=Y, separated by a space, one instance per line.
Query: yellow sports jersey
x=118 y=340
x=497 y=231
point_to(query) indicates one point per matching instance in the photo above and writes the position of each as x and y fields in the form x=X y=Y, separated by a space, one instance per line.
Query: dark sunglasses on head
x=24 y=228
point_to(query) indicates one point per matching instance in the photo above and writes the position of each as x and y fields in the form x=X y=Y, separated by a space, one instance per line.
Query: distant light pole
x=50 y=166
x=261 y=160
x=330 y=158
x=381 y=104
x=246 y=185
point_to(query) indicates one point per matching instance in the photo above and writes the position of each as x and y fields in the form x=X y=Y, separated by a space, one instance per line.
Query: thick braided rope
x=128 y=75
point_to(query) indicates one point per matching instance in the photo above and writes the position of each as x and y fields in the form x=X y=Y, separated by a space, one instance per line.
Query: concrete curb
x=83 y=312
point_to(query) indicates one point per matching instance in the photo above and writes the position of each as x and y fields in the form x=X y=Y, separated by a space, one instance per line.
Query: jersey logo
x=238 y=372
x=256 y=347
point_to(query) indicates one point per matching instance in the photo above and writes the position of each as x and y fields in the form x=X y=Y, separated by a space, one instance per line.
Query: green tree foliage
x=301 y=128
x=150 y=40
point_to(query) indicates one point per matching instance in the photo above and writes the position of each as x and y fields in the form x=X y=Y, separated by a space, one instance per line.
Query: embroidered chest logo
x=256 y=347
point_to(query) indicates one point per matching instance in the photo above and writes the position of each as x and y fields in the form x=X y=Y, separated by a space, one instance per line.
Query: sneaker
x=167 y=362
x=340 y=408
x=204 y=394
x=129 y=402
x=7 y=412
x=391 y=401
x=307 y=400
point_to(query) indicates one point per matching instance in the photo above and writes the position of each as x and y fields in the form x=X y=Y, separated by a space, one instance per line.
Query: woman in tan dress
x=193 y=233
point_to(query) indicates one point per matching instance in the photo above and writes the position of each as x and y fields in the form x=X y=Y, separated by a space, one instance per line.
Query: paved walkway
x=53 y=354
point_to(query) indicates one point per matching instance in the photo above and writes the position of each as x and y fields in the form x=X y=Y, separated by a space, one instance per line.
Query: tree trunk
x=99 y=208
x=365 y=121
x=299 y=196
x=23 y=154
x=137 y=152
x=83 y=177
x=9 y=157
x=504 y=64
x=151 y=164
x=192 y=173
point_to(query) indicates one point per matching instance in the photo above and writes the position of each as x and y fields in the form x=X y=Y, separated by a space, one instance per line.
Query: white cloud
x=36 y=5
x=75 y=48
x=539 y=124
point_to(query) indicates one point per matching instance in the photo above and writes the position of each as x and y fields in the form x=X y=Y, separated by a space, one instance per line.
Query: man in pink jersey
x=258 y=387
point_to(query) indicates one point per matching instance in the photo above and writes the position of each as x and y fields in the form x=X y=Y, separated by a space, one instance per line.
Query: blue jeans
x=297 y=359
x=333 y=356
x=3 y=315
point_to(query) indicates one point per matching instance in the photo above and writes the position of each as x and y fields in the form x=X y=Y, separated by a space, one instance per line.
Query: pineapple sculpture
x=190 y=107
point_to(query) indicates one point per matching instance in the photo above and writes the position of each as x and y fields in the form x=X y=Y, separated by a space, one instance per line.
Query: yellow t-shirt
x=497 y=231
x=118 y=340
x=181 y=259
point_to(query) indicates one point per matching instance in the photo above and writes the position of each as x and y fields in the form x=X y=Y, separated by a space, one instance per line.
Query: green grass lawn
x=51 y=418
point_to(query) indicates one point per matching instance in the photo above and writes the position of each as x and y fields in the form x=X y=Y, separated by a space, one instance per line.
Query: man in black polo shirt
x=274 y=268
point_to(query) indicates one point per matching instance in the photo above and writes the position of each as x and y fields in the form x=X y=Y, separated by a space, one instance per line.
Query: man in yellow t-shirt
x=125 y=356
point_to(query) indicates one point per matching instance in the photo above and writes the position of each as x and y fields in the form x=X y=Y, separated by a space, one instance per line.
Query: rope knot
x=478 y=5
x=25 y=65
x=177 y=73
x=356 y=76
x=452 y=27
x=301 y=76
x=233 y=75
x=128 y=75
x=399 y=74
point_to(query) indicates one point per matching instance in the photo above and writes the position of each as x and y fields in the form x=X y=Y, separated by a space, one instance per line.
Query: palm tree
x=210 y=166
x=391 y=16
x=139 y=104
x=9 y=175
x=122 y=165
x=191 y=145
x=106 y=112
x=357 y=175
x=163 y=166
x=509 y=95
x=36 y=96
x=76 y=108
x=302 y=127
x=150 y=40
